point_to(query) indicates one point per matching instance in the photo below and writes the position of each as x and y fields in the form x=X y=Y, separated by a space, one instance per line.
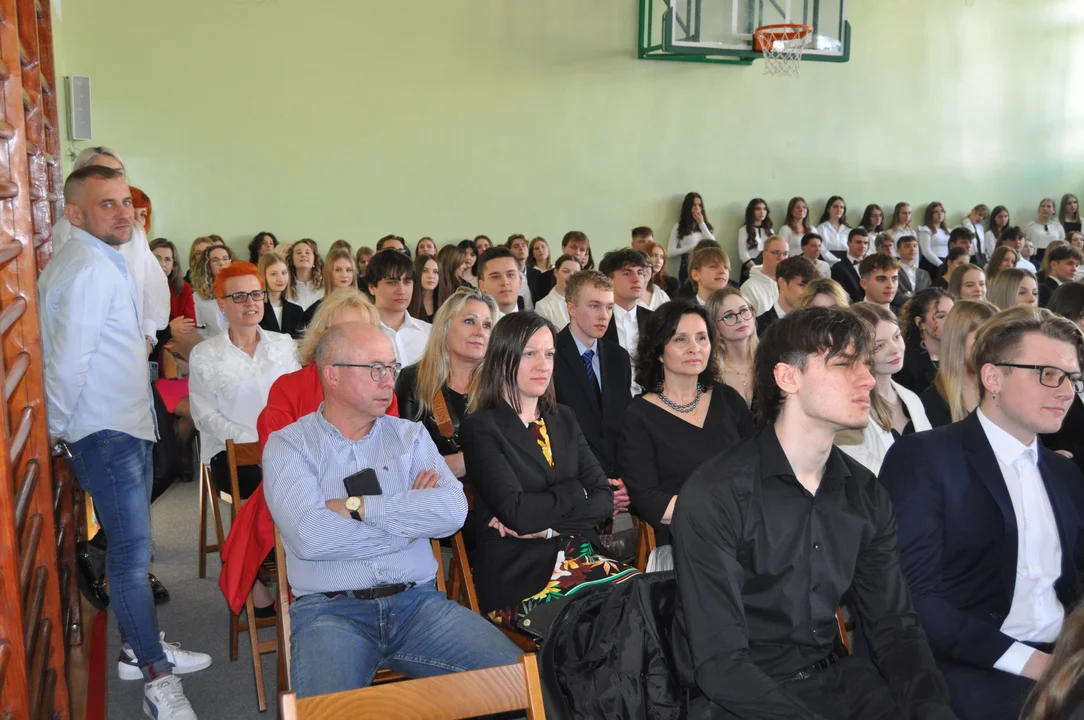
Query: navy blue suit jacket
x=958 y=535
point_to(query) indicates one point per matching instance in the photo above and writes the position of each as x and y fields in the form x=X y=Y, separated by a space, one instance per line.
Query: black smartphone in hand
x=362 y=483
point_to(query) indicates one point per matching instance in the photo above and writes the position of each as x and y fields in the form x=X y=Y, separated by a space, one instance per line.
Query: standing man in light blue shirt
x=97 y=387
x=361 y=565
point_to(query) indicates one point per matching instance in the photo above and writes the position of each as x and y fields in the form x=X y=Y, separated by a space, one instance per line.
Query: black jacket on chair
x=293 y=319
x=600 y=423
x=513 y=482
x=846 y=274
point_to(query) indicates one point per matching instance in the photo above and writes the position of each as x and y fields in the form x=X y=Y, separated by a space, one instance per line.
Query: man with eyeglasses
x=761 y=289
x=360 y=562
x=791 y=277
x=990 y=527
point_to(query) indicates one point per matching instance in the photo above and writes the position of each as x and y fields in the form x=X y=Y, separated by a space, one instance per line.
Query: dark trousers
x=985 y=694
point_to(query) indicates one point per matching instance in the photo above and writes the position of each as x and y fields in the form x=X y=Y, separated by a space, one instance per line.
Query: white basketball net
x=782 y=56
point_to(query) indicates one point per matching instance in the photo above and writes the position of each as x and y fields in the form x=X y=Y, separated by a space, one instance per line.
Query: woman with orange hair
x=142 y=205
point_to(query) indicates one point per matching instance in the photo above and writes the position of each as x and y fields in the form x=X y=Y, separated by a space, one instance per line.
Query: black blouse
x=658 y=451
x=937 y=410
x=918 y=371
x=406 y=392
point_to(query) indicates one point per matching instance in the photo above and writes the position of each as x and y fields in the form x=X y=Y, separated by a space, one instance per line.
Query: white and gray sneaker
x=163 y=699
x=184 y=661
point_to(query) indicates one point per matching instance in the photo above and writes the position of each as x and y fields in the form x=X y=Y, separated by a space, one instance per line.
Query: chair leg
x=202 y=525
x=212 y=498
x=235 y=632
x=254 y=644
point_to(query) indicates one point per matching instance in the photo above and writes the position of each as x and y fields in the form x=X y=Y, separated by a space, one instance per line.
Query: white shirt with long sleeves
x=628 y=336
x=685 y=245
x=152 y=287
x=409 y=340
x=834 y=239
x=989 y=243
x=554 y=308
x=823 y=269
x=307 y=294
x=933 y=244
x=209 y=316
x=525 y=292
x=744 y=253
x=228 y=389
x=760 y=290
x=794 y=240
x=1041 y=234
x=869 y=446
x=1024 y=264
x=653 y=300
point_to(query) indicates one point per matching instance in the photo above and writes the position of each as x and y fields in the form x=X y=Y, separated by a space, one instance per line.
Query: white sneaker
x=163 y=699
x=184 y=661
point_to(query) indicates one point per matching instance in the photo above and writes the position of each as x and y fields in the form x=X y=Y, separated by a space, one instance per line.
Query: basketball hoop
x=782 y=46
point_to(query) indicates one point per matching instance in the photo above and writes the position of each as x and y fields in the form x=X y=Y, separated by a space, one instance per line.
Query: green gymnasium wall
x=356 y=118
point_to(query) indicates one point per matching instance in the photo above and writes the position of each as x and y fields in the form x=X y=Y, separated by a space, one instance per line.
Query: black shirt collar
x=774 y=462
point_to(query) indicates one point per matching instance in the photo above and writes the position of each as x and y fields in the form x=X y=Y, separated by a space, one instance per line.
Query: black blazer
x=600 y=424
x=642 y=314
x=846 y=274
x=672 y=286
x=513 y=482
x=958 y=539
x=543 y=283
x=905 y=291
x=918 y=371
x=533 y=276
x=1071 y=435
x=937 y=410
x=293 y=319
x=765 y=319
x=1046 y=289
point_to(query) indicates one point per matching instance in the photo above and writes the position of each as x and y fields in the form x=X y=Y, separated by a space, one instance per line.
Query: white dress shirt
x=151 y=285
x=653 y=300
x=96 y=372
x=628 y=337
x=911 y=271
x=869 y=446
x=823 y=269
x=1036 y=614
x=307 y=294
x=209 y=315
x=684 y=245
x=989 y=243
x=933 y=244
x=743 y=244
x=760 y=290
x=554 y=308
x=794 y=240
x=900 y=232
x=1024 y=264
x=525 y=292
x=834 y=239
x=1041 y=234
x=228 y=389
x=409 y=340
x=980 y=234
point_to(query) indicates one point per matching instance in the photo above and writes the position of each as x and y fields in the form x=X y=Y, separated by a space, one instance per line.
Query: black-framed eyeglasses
x=241 y=297
x=1052 y=377
x=746 y=313
x=377 y=370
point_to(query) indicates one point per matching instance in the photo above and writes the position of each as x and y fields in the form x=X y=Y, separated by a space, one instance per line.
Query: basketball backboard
x=723 y=29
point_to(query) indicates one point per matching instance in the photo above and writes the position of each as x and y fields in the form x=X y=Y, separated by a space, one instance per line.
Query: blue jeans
x=115 y=468
x=340 y=643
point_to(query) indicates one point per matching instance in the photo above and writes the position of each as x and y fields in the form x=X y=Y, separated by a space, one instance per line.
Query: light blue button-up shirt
x=304 y=465
x=96 y=371
x=595 y=364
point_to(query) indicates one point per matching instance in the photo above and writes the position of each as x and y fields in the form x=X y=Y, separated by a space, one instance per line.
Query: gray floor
x=196 y=617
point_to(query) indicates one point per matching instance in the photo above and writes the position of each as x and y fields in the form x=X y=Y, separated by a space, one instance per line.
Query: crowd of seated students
x=628 y=390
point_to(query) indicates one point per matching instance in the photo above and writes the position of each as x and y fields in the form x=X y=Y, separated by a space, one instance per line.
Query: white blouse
x=228 y=389
x=208 y=314
x=744 y=253
x=900 y=232
x=989 y=243
x=554 y=308
x=684 y=245
x=760 y=290
x=933 y=244
x=834 y=239
x=307 y=294
x=794 y=240
x=657 y=297
x=870 y=446
x=1040 y=234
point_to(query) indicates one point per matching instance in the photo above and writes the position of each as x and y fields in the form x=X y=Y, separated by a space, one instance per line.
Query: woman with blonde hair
x=955 y=391
x=210 y=320
x=306 y=273
x=895 y=410
x=1059 y=692
x=1013 y=287
x=1002 y=258
x=736 y=338
x=1045 y=229
x=436 y=387
x=661 y=288
x=824 y=292
x=279 y=314
x=968 y=282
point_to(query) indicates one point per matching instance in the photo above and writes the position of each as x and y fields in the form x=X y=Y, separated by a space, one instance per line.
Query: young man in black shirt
x=769 y=535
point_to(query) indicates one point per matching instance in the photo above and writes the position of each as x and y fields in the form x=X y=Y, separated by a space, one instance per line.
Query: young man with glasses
x=361 y=565
x=990 y=523
x=791 y=276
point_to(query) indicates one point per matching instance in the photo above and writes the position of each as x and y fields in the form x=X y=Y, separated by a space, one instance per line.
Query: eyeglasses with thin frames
x=377 y=370
x=746 y=313
x=241 y=297
x=1052 y=377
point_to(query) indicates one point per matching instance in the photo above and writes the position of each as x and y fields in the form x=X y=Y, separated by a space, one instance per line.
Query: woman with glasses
x=209 y=318
x=736 y=326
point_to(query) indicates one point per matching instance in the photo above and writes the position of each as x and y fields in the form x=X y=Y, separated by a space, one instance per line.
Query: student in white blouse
x=391 y=284
x=761 y=289
x=999 y=220
x=974 y=222
x=754 y=231
x=933 y=238
x=553 y=307
x=796 y=225
x=306 y=273
x=210 y=320
x=1044 y=229
x=896 y=410
x=901 y=221
x=834 y=230
x=692 y=227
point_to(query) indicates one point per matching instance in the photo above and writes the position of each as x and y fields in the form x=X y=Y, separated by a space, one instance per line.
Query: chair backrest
x=446 y=697
x=240 y=455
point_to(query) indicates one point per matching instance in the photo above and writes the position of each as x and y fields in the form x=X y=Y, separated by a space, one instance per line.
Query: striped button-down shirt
x=304 y=465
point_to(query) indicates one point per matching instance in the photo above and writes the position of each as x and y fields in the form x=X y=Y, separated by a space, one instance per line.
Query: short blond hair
x=583 y=279
x=999 y=339
x=325 y=319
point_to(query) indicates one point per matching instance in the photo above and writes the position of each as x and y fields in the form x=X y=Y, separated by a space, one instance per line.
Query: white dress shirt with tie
x=1036 y=614
x=628 y=336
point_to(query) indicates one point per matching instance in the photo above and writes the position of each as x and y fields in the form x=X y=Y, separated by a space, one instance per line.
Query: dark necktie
x=592 y=379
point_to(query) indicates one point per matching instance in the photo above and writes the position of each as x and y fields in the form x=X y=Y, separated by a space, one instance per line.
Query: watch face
x=353 y=503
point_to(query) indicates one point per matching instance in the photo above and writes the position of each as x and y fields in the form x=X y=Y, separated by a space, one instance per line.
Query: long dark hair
x=993 y=226
x=750 y=222
x=254 y=245
x=806 y=227
x=416 y=309
x=686 y=224
x=867 y=219
x=1068 y=301
x=832 y=201
x=917 y=307
x=496 y=381
x=660 y=329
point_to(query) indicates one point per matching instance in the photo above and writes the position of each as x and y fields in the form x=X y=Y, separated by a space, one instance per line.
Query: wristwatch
x=353 y=504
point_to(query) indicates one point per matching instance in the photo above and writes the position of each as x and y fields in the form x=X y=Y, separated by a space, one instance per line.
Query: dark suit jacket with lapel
x=293 y=319
x=601 y=424
x=1046 y=289
x=846 y=274
x=958 y=538
x=642 y=314
x=513 y=482
x=543 y=283
x=1071 y=435
x=905 y=291
x=765 y=319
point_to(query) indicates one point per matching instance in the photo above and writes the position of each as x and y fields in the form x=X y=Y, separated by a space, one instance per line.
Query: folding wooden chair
x=645 y=542
x=445 y=697
x=208 y=502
